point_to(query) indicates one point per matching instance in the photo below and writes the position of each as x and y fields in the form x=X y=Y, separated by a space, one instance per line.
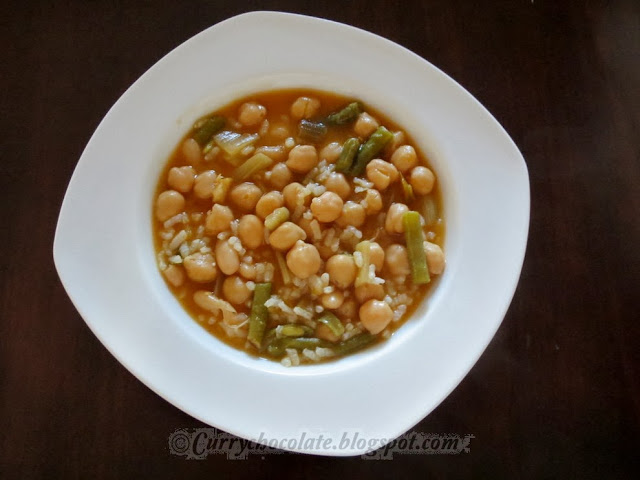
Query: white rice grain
x=286 y=362
x=324 y=352
x=292 y=353
x=175 y=259
x=310 y=354
x=179 y=218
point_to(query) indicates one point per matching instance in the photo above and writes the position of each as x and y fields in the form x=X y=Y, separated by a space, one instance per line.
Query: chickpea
x=333 y=300
x=323 y=332
x=422 y=180
x=381 y=173
x=337 y=183
x=246 y=195
x=373 y=201
x=251 y=113
x=302 y=158
x=181 y=178
x=174 y=275
x=200 y=267
x=268 y=203
x=404 y=158
x=294 y=195
x=397 y=260
x=280 y=175
x=368 y=291
x=218 y=219
x=393 y=222
x=227 y=258
x=304 y=107
x=191 y=150
x=204 y=184
x=250 y=231
x=168 y=204
x=365 y=125
x=286 y=235
x=327 y=207
x=347 y=311
x=435 y=258
x=342 y=270
x=352 y=214
x=375 y=316
x=330 y=152
x=248 y=271
x=376 y=255
x=303 y=260
x=235 y=290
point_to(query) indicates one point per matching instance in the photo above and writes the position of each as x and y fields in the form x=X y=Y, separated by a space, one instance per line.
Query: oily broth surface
x=278 y=104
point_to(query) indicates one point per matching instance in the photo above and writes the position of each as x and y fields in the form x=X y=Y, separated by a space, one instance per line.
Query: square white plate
x=104 y=253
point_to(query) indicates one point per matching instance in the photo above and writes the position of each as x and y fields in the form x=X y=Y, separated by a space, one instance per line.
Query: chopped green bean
x=232 y=143
x=414 y=238
x=332 y=322
x=276 y=218
x=369 y=149
x=291 y=330
x=268 y=337
x=284 y=270
x=312 y=131
x=364 y=248
x=353 y=344
x=278 y=346
x=407 y=189
x=208 y=147
x=252 y=166
x=206 y=128
x=259 y=313
x=347 y=115
x=349 y=152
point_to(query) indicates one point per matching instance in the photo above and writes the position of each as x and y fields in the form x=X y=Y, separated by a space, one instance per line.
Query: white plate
x=104 y=253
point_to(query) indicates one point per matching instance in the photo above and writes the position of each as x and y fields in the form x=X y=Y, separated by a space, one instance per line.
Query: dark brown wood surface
x=556 y=394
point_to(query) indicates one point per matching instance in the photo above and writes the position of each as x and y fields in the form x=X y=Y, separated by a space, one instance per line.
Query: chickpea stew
x=299 y=226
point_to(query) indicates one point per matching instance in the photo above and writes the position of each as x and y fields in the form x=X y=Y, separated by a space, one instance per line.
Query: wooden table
x=556 y=394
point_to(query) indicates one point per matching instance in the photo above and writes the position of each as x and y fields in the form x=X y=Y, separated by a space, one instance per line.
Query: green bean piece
x=353 y=344
x=232 y=144
x=206 y=128
x=414 y=238
x=333 y=323
x=349 y=152
x=369 y=149
x=312 y=131
x=347 y=115
x=259 y=313
x=291 y=330
x=284 y=269
x=276 y=218
x=407 y=189
x=364 y=248
x=278 y=346
x=252 y=166
x=268 y=337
